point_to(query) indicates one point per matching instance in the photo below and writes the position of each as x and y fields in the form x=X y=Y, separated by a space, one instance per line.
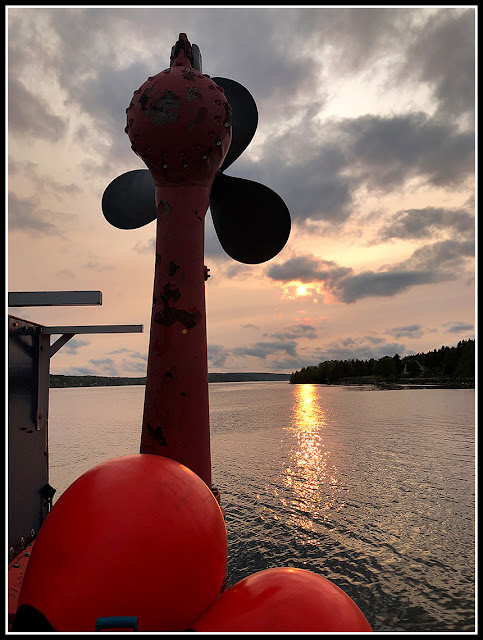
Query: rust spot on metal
x=158 y=435
x=164 y=207
x=169 y=293
x=172 y=268
x=164 y=111
x=144 y=99
x=189 y=75
x=168 y=315
x=192 y=93
x=188 y=318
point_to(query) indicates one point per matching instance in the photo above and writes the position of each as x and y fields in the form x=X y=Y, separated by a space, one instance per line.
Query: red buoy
x=141 y=535
x=283 y=599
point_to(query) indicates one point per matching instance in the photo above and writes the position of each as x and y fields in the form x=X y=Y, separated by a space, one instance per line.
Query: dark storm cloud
x=459 y=327
x=263 y=349
x=217 y=355
x=30 y=116
x=408 y=331
x=76 y=371
x=318 y=171
x=387 y=151
x=438 y=262
x=442 y=54
x=276 y=357
x=363 y=349
x=390 y=283
x=105 y=96
x=24 y=214
x=307 y=269
x=360 y=348
x=355 y=36
x=135 y=363
x=320 y=188
x=105 y=366
x=99 y=56
x=423 y=223
x=446 y=255
x=294 y=331
x=42 y=183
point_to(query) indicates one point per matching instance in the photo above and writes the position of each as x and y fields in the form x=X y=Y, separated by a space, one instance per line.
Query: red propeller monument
x=179 y=123
x=182 y=123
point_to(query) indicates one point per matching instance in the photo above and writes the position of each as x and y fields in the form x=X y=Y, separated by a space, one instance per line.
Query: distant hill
x=59 y=381
x=247 y=377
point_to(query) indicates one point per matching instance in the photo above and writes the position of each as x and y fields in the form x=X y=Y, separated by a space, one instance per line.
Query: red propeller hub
x=179 y=123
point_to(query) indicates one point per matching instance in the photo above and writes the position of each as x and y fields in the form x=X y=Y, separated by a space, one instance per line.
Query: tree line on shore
x=447 y=362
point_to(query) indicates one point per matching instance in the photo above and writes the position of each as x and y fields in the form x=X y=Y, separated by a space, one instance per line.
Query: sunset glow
x=372 y=151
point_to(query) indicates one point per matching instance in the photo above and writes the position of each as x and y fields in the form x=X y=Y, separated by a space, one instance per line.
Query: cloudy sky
x=366 y=130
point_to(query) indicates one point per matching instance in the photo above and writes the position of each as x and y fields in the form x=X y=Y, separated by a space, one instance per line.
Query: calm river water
x=375 y=490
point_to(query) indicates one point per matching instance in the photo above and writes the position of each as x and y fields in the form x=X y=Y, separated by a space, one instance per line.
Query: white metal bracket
x=46 y=350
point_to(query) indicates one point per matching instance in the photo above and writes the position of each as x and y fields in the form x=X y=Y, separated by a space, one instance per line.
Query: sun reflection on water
x=311 y=476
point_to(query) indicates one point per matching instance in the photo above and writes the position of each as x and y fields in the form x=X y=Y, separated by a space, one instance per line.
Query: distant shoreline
x=63 y=382
x=60 y=381
x=402 y=384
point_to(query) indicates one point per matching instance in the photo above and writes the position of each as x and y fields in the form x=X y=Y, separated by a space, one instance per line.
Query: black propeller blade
x=129 y=200
x=252 y=221
x=244 y=114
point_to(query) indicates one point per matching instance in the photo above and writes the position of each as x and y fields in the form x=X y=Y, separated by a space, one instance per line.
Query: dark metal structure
x=28 y=462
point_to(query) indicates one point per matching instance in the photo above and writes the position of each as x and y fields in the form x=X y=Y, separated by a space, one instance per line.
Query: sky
x=366 y=129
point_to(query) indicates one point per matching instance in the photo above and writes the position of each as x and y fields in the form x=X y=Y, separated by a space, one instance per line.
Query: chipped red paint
x=179 y=123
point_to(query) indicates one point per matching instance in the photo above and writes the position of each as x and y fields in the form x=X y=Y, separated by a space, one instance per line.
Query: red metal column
x=179 y=123
x=176 y=414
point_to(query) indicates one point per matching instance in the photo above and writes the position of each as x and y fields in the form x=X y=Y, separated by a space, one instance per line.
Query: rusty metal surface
x=179 y=123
